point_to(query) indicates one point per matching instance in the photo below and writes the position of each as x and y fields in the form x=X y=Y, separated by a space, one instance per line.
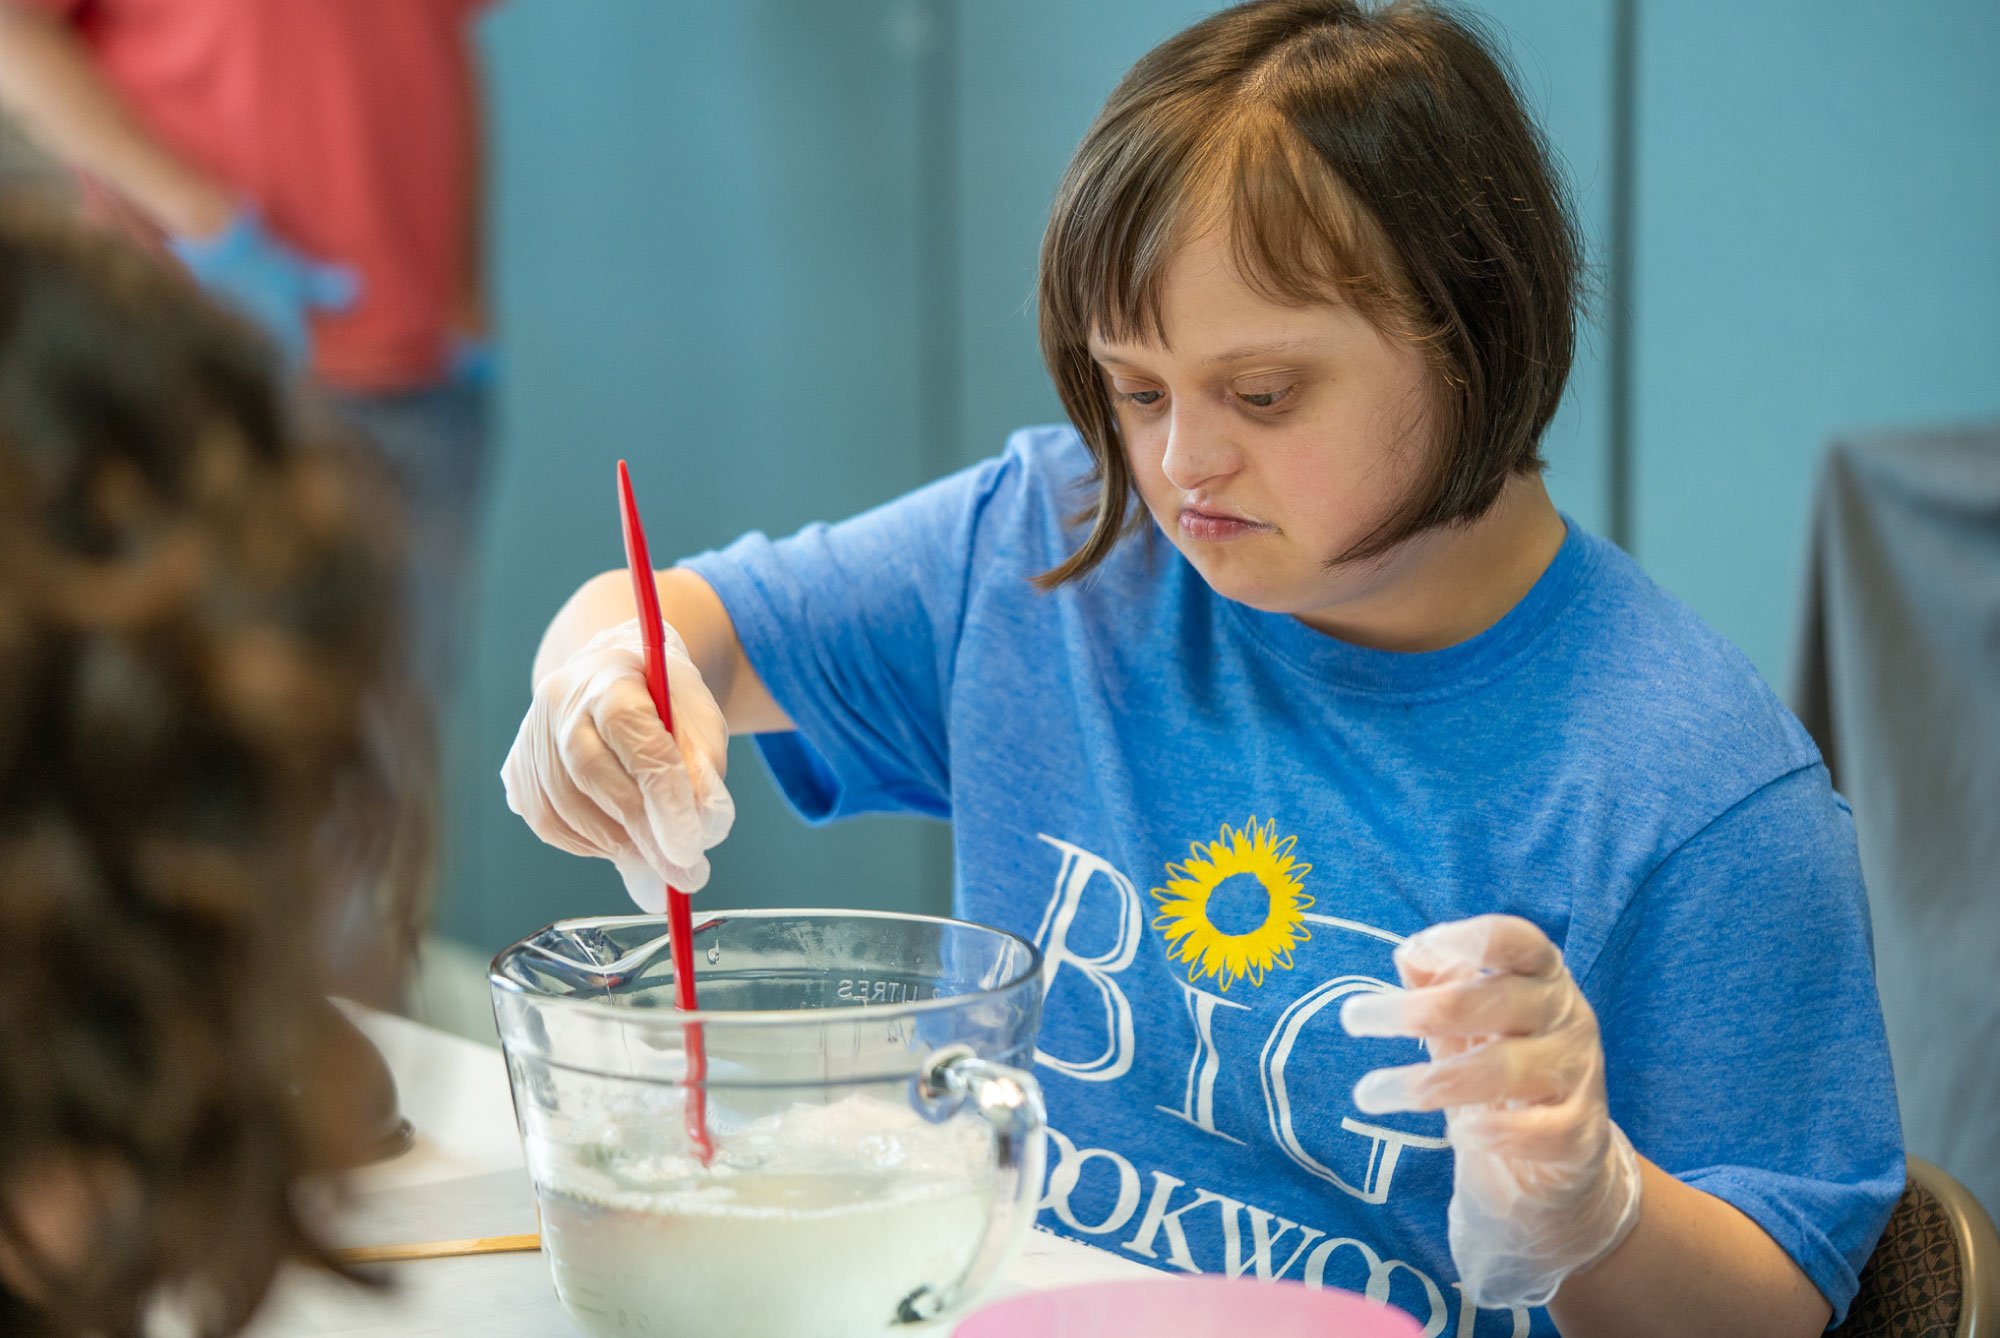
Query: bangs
x=1297 y=235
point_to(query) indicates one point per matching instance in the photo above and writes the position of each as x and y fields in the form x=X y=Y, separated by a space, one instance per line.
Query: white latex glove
x=1543 y=1183
x=593 y=772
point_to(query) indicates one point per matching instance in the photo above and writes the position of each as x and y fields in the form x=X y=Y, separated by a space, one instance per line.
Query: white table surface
x=463 y=1178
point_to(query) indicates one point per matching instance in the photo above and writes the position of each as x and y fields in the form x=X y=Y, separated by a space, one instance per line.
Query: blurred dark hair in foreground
x=211 y=770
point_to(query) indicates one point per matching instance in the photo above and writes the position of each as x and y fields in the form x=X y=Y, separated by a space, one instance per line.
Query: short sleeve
x=853 y=627
x=1744 y=1046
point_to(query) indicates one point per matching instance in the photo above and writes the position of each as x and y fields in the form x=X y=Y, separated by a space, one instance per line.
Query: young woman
x=1319 y=713
x=197 y=688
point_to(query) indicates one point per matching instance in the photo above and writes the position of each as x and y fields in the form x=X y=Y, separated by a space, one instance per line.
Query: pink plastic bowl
x=1168 y=1307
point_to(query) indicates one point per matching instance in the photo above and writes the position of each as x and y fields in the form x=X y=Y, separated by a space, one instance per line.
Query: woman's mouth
x=1212 y=525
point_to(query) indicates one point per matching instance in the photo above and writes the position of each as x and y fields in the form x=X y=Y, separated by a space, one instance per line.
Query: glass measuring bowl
x=877 y=1138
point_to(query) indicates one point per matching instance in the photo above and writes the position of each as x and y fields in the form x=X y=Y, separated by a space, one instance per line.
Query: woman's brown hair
x=200 y=718
x=1374 y=156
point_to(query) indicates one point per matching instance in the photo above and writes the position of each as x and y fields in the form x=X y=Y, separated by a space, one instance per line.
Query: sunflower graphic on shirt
x=1236 y=907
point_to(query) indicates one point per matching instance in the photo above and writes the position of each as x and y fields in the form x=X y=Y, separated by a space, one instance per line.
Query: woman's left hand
x=1543 y=1183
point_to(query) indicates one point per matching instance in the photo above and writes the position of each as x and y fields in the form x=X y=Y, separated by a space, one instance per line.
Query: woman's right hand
x=592 y=771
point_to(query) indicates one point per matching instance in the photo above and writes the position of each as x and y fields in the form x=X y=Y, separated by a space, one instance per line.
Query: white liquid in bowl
x=814 y=1223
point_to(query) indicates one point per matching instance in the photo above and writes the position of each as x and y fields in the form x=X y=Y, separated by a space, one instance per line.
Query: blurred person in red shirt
x=314 y=163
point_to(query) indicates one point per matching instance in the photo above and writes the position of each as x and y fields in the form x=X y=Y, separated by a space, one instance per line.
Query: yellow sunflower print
x=1193 y=937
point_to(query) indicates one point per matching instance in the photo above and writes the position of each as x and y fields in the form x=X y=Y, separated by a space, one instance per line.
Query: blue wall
x=705 y=221
x=781 y=254
x=1817 y=249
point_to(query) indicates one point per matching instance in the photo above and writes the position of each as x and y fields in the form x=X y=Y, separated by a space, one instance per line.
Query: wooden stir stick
x=680 y=918
x=438 y=1249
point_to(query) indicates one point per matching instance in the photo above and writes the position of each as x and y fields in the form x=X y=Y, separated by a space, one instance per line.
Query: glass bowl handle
x=1009 y=1100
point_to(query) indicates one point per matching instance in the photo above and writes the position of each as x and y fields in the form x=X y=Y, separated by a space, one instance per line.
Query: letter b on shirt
x=1089 y=889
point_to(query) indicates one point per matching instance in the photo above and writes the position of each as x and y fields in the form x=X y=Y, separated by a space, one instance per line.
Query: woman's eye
x=1265 y=399
x=1143 y=398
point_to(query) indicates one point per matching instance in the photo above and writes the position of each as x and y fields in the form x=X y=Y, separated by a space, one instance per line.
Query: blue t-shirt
x=1216 y=823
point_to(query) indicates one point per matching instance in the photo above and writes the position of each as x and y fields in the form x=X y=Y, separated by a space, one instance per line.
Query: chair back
x=1936 y=1271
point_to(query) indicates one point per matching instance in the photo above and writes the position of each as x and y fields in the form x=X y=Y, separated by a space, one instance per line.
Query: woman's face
x=1267 y=439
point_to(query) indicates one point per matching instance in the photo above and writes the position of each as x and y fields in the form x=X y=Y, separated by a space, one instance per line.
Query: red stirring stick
x=680 y=919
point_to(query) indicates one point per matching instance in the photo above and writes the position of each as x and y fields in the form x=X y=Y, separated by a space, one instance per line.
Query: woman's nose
x=1198 y=450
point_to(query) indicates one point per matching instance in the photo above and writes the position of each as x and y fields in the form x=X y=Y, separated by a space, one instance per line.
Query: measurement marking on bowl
x=860 y=990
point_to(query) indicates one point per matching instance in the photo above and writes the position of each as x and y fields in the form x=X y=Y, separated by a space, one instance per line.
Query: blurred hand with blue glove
x=246 y=267
x=472 y=362
x=1544 y=1184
